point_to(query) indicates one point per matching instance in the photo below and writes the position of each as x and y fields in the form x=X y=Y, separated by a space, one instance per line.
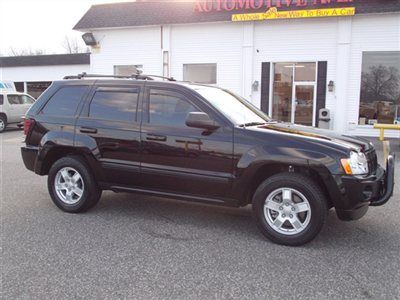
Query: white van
x=13 y=105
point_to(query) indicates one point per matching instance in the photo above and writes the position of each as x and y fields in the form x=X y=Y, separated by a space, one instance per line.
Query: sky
x=41 y=24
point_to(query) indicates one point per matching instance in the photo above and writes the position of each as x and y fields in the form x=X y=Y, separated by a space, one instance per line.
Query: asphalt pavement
x=132 y=246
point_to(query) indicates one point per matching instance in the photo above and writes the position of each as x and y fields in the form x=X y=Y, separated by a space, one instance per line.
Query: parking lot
x=146 y=247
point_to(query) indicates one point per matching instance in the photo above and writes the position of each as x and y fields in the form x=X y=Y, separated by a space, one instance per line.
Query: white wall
x=219 y=43
x=42 y=73
x=137 y=46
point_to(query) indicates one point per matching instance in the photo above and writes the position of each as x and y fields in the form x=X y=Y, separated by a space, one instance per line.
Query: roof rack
x=137 y=76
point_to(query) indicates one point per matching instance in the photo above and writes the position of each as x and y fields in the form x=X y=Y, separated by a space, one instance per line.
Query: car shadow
x=186 y=221
x=12 y=129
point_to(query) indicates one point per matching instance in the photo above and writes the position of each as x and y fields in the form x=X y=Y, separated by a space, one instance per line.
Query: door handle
x=88 y=130
x=155 y=137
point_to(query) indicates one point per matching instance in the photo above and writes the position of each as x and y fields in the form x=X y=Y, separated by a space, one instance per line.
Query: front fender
x=279 y=159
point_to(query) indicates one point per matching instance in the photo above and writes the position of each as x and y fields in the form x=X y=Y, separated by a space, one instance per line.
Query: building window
x=200 y=73
x=19 y=87
x=127 y=70
x=380 y=88
x=35 y=89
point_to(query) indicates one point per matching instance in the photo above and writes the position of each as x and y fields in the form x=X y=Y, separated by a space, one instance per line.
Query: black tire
x=313 y=194
x=91 y=192
x=3 y=120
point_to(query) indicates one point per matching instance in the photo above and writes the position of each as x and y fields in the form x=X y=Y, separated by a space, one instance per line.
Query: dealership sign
x=273 y=13
x=234 y=5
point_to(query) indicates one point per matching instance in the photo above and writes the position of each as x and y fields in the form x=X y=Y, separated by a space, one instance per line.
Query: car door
x=111 y=123
x=180 y=159
x=15 y=110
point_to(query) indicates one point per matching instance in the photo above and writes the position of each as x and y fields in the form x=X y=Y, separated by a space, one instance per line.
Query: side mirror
x=201 y=120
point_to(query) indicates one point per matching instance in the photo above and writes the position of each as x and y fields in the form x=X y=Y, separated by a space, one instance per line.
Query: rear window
x=114 y=105
x=65 y=101
x=1 y=99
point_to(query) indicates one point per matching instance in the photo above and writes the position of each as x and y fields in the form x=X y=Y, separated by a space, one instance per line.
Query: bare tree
x=71 y=45
x=25 y=52
x=380 y=83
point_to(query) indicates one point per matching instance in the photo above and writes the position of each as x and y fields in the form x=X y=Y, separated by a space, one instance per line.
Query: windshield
x=235 y=108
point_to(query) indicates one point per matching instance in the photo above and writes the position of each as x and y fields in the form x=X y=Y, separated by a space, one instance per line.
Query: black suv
x=197 y=143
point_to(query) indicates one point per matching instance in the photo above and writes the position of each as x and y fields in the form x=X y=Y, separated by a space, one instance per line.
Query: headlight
x=357 y=164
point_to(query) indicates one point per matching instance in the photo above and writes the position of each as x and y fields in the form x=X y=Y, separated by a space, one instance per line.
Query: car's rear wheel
x=72 y=186
x=3 y=123
x=290 y=209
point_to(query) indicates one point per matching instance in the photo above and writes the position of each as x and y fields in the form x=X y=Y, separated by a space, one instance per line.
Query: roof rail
x=133 y=76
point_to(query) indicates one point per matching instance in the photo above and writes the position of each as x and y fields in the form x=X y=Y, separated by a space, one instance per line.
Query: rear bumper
x=362 y=192
x=29 y=155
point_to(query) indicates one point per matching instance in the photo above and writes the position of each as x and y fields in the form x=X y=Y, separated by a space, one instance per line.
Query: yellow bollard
x=386 y=144
x=386 y=150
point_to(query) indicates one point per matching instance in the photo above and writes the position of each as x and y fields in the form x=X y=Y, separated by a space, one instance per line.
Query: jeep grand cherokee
x=197 y=143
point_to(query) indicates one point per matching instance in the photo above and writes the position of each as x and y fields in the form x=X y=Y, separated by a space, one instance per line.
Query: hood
x=322 y=135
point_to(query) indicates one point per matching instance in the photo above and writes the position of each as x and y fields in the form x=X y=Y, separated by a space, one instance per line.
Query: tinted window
x=65 y=101
x=114 y=105
x=20 y=99
x=13 y=99
x=169 y=109
x=1 y=99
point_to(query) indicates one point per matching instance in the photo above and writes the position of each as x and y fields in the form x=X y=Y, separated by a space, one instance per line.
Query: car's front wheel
x=72 y=186
x=290 y=209
x=3 y=123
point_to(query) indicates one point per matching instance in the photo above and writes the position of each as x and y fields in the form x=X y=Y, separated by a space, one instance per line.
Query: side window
x=65 y=101
x=1 y=99
x=26 y=99
x=114 y=105
x=14 y=99
x=167 y=108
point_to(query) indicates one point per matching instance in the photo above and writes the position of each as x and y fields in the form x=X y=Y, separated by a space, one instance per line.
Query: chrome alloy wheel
x=2 y=125
x=69 y=185
x=287 y=211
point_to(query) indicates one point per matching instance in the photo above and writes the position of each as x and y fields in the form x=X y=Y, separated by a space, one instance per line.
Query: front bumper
x=362 y=192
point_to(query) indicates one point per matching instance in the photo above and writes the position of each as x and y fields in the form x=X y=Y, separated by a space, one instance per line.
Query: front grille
x=372 y=160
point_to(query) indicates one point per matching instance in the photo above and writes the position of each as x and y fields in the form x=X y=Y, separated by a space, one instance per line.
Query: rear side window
x=20 y=99
x=1 y=99
x=13 y=99
x=114 y=105
x=65 y=101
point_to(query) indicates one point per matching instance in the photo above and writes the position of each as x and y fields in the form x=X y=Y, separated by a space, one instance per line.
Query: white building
x=290 y=66
x=33 y=74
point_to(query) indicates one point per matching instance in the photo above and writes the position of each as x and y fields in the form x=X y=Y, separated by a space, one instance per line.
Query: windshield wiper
x=252 y=124
x=256 y=123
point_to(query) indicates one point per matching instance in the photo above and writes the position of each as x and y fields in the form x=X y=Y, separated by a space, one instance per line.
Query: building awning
x=45 y=60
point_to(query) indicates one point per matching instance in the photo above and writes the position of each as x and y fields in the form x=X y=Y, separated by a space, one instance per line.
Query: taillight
x=28 y=124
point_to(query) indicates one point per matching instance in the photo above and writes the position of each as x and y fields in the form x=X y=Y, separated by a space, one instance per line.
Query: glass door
x=304 y=104
x=294 y=93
